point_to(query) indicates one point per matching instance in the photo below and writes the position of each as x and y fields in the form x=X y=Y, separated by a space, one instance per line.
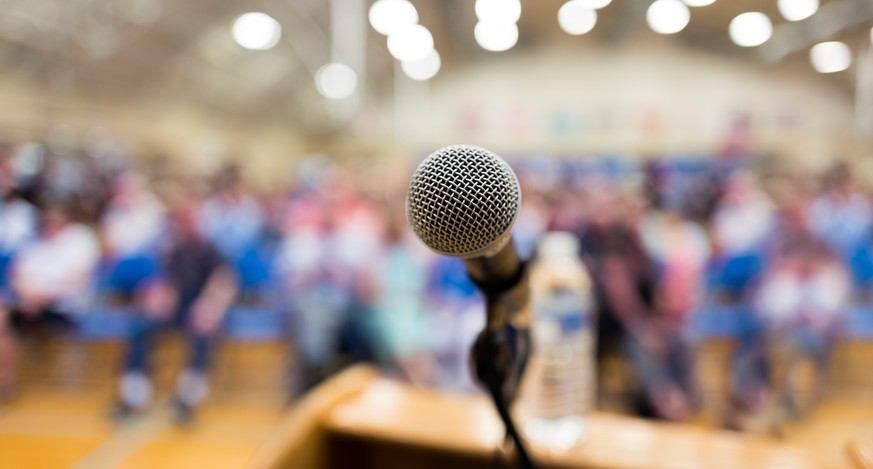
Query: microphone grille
x=462 y=201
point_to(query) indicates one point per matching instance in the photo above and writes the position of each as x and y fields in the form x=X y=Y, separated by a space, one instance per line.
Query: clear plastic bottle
x=559 y=389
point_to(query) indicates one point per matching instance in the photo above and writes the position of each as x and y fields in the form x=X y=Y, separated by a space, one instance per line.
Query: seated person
x=231 y=219
x=194 y=291
x=50 y=280
x=458 y=316
x=132 y=227
x=403 y=330
x=17 y=227
x=322 y=280
x=799 y=305
x=841 y=216
x=742 y=225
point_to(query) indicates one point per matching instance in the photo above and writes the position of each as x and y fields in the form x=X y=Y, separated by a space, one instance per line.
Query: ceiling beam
x=832 y=18
x=627 y=21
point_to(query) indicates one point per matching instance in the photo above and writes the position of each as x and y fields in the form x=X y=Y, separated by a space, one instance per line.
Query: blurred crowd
x=684 y=251
x=676 y=252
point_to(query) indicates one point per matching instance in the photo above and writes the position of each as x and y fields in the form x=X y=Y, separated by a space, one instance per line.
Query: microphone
x=462 y=202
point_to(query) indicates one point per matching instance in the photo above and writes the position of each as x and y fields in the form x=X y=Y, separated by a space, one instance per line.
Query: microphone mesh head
x=462 y=201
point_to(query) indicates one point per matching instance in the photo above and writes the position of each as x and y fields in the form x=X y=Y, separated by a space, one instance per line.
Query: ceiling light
x=575 y=18
x=830 y=57
x=256 y=31
x=387 y=16
x=796 y=10
x=496 y=36
x=667 y=16
x=336 y=81
x=501 y=11
x=411 y=42
x=422 y=69
x=750 y=29
x=699 y=3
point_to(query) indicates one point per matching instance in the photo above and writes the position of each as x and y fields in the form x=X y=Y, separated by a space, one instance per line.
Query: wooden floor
x=53 y=428
x=60 y=419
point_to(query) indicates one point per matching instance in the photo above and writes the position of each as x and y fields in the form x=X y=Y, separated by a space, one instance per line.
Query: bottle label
x=574 y=321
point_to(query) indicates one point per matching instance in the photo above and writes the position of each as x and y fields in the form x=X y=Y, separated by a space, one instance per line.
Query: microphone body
x=502 y=278
x=462 y=202
x=498 y=272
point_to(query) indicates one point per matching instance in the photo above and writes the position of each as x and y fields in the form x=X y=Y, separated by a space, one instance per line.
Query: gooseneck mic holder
x=500 y=353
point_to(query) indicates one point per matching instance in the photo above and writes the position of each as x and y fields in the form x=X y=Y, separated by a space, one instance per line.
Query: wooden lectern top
x=360 y=406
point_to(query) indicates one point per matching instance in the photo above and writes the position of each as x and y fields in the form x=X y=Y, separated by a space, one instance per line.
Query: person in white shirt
x=54 y=271
x=744 y=217
x=17 y=228
x=742 y=227
x=133 y=226
x=801 y=301
x=50 y=279
x=134 y=219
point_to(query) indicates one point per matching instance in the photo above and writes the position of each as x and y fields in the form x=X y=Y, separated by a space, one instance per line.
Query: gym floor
x=61 y=416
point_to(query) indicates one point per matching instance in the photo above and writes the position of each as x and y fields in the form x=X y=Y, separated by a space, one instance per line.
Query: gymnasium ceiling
x=175 y=49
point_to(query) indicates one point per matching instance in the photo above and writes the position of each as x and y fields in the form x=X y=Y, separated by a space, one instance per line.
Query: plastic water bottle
x=560 y=387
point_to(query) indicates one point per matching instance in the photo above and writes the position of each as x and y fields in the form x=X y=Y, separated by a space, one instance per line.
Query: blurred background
x=202 y=211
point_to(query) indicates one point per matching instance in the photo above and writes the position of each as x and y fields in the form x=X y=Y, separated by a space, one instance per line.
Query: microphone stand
x=500 y=354
x=491 y=357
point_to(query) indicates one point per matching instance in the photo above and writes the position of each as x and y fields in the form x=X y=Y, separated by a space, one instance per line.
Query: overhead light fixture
x=500 y=11
x=422 y=69
x=796 y=10
x=496 y=36
x=830 y=57
x=750 y=29
x=699 y=3
x=387 y=16
x=667 y=16
x=256 y=31
x=575 y=18
x=412 y=42
x=336 y=81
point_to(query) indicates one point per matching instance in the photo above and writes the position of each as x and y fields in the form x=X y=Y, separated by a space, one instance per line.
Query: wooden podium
x=358 y=420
